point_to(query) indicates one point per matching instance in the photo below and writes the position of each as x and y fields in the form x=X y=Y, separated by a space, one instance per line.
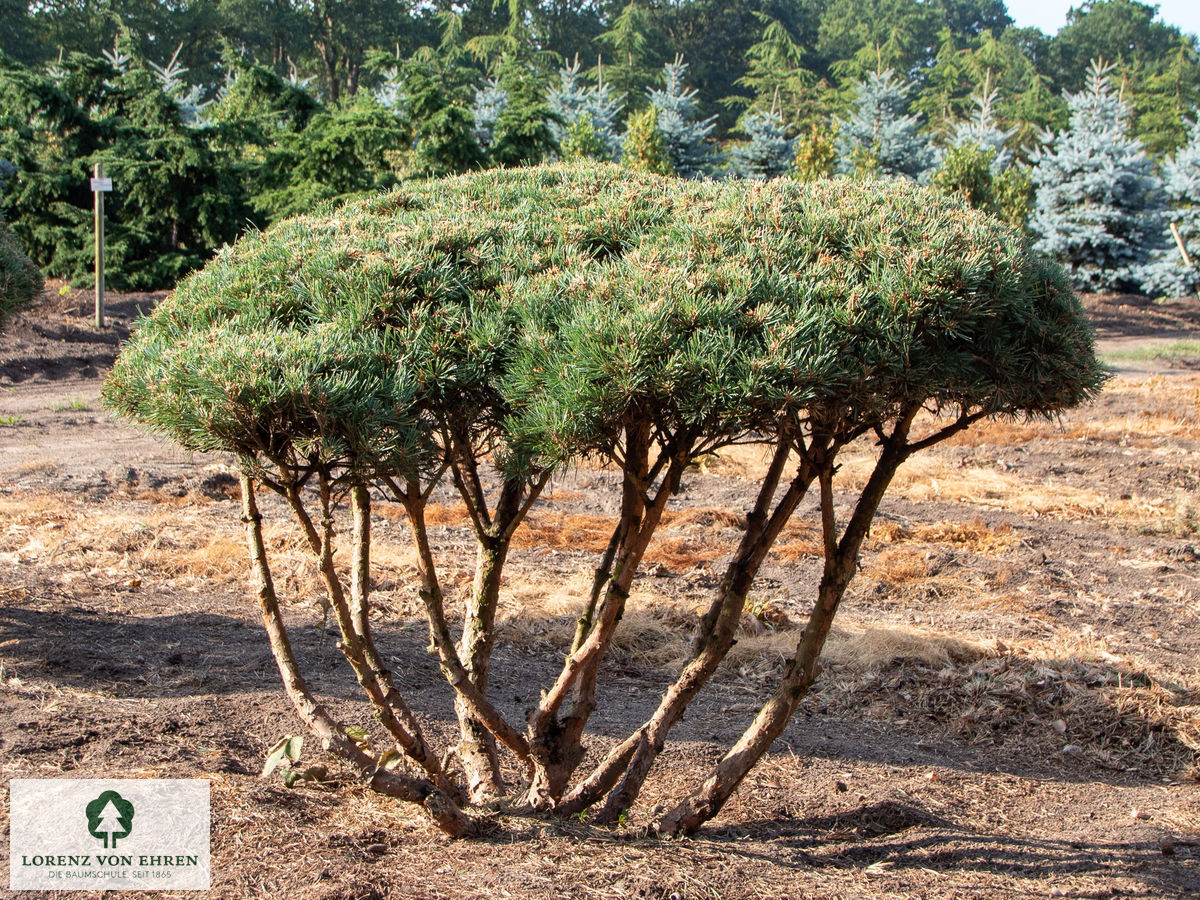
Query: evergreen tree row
x=195 y=165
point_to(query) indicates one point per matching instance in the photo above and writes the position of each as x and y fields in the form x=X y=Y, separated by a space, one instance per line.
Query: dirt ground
x=1010 y=706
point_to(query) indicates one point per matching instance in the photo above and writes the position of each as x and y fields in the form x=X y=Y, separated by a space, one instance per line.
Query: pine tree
x=1099 y=204
x=1167 y=273
x=769 y=153
x=686 y=137
x=879 y=134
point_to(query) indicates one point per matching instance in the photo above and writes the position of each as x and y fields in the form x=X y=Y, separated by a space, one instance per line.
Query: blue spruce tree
x=187 y=98
x=390 y=91
x=1099 y=203
x=490 y=101
x=769 y=153
x=982 y=131
x=686 y=137
x=1167 y=273
x=879 y=137
x=574 y=102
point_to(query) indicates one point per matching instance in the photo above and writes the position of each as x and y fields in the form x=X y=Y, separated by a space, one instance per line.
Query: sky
x=1051 y=15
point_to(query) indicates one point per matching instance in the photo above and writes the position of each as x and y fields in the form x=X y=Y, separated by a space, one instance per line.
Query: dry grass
x=899 y=567
x=975 y=535
x=1166 y=407
x=1117 y=713
x=1065 y=695
x=929 y=478
x=547 y=529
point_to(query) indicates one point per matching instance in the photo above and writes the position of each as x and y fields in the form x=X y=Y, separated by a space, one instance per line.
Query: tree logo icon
x=110 y=818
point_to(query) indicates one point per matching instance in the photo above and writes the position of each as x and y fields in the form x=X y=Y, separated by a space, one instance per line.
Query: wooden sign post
x=100 y=185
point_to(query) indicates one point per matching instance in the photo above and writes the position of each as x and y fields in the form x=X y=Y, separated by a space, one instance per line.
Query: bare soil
x=1009 y=708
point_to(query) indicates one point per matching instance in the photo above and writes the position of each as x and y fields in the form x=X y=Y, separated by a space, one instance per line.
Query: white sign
x=105 y=834
x=101 y=184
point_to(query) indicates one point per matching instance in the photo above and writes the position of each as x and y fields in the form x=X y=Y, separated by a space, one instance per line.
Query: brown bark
x=841 y=557
x=715 y=637
x=477 y=745
x=557 y=743
x=439 y=633
x=359 y=649
x=409 y=736
x=441 y=809
x=493 y=534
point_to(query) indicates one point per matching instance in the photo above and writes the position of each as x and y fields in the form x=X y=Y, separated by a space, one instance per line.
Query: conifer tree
x=685 y=136
x=439 y=95
x=531 y=318
x=389 y=93
x=630 y=40
x=1099 y=204
x=969 y=171
x=343 y=150
x=522 y=133
x=20 y=280
x=1167 y=273
x=644 y=147
x=775 y=71
x=983 y=131
x=490 y=100
x=879 y=134
x=768 y=153
x=1165 y=97
x=187 y=97
x=580 y=141
x=945 y=96
x=576 y=104
x=816 y=153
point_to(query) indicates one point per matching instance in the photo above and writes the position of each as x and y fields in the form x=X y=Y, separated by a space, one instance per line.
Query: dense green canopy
x=551 y=305
x=20 y=281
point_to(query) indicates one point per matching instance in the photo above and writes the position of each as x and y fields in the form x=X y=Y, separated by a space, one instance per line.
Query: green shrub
x=20 y=280
x=644 y=148
x=516 y=321
x=969 y=172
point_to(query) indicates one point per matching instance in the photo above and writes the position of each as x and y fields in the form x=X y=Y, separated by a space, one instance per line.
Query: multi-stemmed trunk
x=624 y=769
x=437 y=803
x=552 y=747
x=556 y=741
x=840 y=562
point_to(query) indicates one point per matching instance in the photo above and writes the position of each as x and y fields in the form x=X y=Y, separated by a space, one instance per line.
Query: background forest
x=214 y=116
